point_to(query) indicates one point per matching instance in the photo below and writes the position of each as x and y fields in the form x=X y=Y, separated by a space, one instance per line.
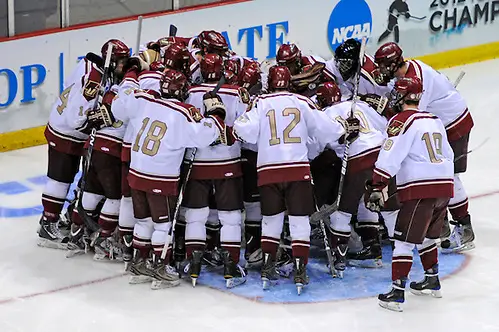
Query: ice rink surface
x=41 y=290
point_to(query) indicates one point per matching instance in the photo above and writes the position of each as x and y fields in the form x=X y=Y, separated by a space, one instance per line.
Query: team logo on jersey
x=244 y=95
x=195 y=114
x=394 y=128
x=91 y=89
x=349 y=19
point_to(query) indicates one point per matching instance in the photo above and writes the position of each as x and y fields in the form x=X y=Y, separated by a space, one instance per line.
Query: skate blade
x=299 y=288
x=393 y=306
x=462 y=248
x=367 y=264
x=75 y=252
x=194 y=280
x=338 y=274
x=162 y=284
x=234 y=282
x=427 y=292
x=139 y=279
x=45 y=243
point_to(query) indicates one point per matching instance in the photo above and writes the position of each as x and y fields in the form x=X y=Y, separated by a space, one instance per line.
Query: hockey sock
x=428 y=253
x=108 y=218
x=458 y=205
x=126 y=219
x=230 y=234
x=158 y=239
x=271 y=233
x=195 y=231
x=401 y=260
x=53 y=198
x=142 y=234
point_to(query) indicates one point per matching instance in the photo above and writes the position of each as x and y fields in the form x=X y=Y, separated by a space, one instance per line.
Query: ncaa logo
x=349 y=19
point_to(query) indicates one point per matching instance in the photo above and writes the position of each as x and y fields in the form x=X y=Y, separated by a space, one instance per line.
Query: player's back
x=282 y=141
x=439 y=97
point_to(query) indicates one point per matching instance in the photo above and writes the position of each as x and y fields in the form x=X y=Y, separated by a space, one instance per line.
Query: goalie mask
x=389 y=59
x=346 y=57
x=173 y=84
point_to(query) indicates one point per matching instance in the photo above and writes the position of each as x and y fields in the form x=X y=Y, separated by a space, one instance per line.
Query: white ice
x=31 y=278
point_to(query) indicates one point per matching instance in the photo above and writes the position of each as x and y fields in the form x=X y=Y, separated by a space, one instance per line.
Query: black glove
x=135 y=62
x=407 y=15
x=213 y=105
x=375 y=196
x=154 y=46
x=379 y=103
x=100 y=118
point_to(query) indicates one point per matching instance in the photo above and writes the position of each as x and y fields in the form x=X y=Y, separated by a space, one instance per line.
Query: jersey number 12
x=274 y=140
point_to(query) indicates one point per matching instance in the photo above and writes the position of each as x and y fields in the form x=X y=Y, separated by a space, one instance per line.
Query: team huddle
x=192 y=152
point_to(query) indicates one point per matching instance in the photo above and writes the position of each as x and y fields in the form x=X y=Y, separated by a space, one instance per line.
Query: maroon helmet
x=289 y=55
x=279 y=78
x=389 y=59
x=249 y=76
x=212 y=41
x=177 y=57
x=328 y=94
x=212 y=67
x=407 y=90
x=173 y=84
x=230 y=77
x=120 y=50
x=232 y=65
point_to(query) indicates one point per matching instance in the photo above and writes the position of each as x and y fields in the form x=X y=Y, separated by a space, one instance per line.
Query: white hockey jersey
x=441 y=98
x=367 y=81
x=280 y=124
x=364 y=150
x=164 y=129
x=418 y=153
x=68 y=117
x=146 y=80
x=219 y=161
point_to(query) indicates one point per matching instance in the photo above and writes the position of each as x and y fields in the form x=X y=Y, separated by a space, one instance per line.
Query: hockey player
x=164 y=129
x=372 y=85
x=280 y=123
x=216 y=169
x=441 y=98
x=66 y=133
x=362 y=155
x=307 y=71
x=418 y=153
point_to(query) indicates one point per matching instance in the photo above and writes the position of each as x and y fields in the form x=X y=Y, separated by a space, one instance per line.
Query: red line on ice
x=98 y=281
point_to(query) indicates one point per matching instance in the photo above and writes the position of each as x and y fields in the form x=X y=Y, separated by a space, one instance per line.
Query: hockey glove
x=379 y=103
x=407 y=15
x=100 y=118
x=375 y=197
x=309 y=79
x=135 y=62
x=213 y=105
x=352 y=129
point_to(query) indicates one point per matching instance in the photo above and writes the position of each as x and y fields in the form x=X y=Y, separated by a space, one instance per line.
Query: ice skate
x=300 y=274
x=340 y=260
x=430 y=285
x=165 y=275
x=127 y=250
x=194 y=266
x=284 y=262
x=317 y=237
x=370 y=256
x=79 y=242
x=106 y=248
x=213 y=258
x=49 y=235
x=255 y=259
x=269 y=273
x=445 y=233
x=234 y=274
x=461 y=239
x=140 y=269
x=394 y=299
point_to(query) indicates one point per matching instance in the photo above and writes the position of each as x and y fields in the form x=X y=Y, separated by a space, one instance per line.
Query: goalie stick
x=184 y=185
x=87 y=220
x=327 y=210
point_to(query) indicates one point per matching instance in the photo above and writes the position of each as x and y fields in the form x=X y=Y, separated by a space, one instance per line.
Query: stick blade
x=173 y=30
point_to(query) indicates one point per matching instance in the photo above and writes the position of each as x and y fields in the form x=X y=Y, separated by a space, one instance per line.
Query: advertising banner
x=32 y=70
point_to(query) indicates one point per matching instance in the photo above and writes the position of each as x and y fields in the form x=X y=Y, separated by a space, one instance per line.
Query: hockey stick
x=173 y=30
x=459 y=78
x=168 y=239
x=87 y=220
x=94 y=58
x=139 y=33
x=418 y=18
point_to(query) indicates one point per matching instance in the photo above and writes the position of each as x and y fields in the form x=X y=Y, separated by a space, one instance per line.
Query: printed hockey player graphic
x=397 y=8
